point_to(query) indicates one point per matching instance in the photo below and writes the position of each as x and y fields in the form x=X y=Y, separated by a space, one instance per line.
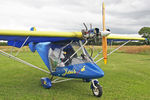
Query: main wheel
x=46 y=82
x=97 y=90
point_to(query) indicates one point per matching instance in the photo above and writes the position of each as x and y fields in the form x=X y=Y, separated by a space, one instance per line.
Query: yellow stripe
x=40 y=33
x=125 y=38
x=34 y=29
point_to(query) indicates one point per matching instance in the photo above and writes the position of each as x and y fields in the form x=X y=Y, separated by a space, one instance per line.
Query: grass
x=136 y=49
x=127 y=77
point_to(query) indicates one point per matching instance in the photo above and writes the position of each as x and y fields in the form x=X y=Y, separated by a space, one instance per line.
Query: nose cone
x=97 y=72
x=94 y=71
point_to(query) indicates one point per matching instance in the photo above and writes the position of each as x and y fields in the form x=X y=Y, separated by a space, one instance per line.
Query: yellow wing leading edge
x=124 y=37
x=40 y=33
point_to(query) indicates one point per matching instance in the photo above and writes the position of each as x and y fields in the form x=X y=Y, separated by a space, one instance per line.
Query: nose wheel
x=96 y=88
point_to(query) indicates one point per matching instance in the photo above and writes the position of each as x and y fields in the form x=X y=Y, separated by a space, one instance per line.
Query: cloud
x=129 y=15
x=122 y=16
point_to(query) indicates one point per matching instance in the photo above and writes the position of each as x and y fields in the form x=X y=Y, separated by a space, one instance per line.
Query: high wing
x=38 y=36
x=40 y=33
x=121 y=37
x=19 y=37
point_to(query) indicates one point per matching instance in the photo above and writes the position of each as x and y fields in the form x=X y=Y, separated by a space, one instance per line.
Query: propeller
x=104 y=38
x=94 y=33
x=104 y=35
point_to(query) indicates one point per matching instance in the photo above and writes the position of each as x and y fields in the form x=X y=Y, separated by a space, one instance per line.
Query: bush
x=3 y=44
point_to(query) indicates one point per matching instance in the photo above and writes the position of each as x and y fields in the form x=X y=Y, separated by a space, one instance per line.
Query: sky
x=122 y=16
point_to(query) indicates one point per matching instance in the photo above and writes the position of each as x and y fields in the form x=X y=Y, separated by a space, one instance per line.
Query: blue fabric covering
x=36 y=39
x=109 y=40
x=32 y=46
x=83 y=70
x=43 y=49
x=19 y=40
x=15 y=43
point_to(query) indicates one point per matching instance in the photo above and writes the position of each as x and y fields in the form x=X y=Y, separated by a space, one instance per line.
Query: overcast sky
x=122 y=16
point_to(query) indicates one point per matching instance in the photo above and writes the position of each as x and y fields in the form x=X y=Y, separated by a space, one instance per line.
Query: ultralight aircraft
x=64 y=53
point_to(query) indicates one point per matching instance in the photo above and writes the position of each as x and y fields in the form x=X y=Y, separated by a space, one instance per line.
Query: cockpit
x=61 y=55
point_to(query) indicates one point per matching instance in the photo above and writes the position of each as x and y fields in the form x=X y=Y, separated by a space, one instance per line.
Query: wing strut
x=98 y=54
x=113 y=51
x=32 y=29
x=22 y=46
x=22 y=61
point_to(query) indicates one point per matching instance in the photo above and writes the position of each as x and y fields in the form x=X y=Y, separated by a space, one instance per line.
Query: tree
x=145 y=32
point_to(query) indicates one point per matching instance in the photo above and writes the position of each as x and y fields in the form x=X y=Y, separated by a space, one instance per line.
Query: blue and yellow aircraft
x=64 y=53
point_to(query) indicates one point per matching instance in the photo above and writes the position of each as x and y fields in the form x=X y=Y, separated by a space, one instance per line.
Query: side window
x=55 y=56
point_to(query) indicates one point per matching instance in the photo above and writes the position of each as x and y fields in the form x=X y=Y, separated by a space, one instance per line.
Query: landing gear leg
x=96 y=88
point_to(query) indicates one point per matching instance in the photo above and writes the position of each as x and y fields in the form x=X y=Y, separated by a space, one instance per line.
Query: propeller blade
x=104 y=39
x=104 y=46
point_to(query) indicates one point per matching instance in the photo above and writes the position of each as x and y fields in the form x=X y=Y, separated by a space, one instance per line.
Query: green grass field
x=127 y=77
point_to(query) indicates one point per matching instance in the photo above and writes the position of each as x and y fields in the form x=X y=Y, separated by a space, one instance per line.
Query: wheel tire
x=97 y=91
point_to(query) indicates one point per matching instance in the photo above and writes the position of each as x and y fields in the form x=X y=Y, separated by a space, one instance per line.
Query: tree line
x=145 y=32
